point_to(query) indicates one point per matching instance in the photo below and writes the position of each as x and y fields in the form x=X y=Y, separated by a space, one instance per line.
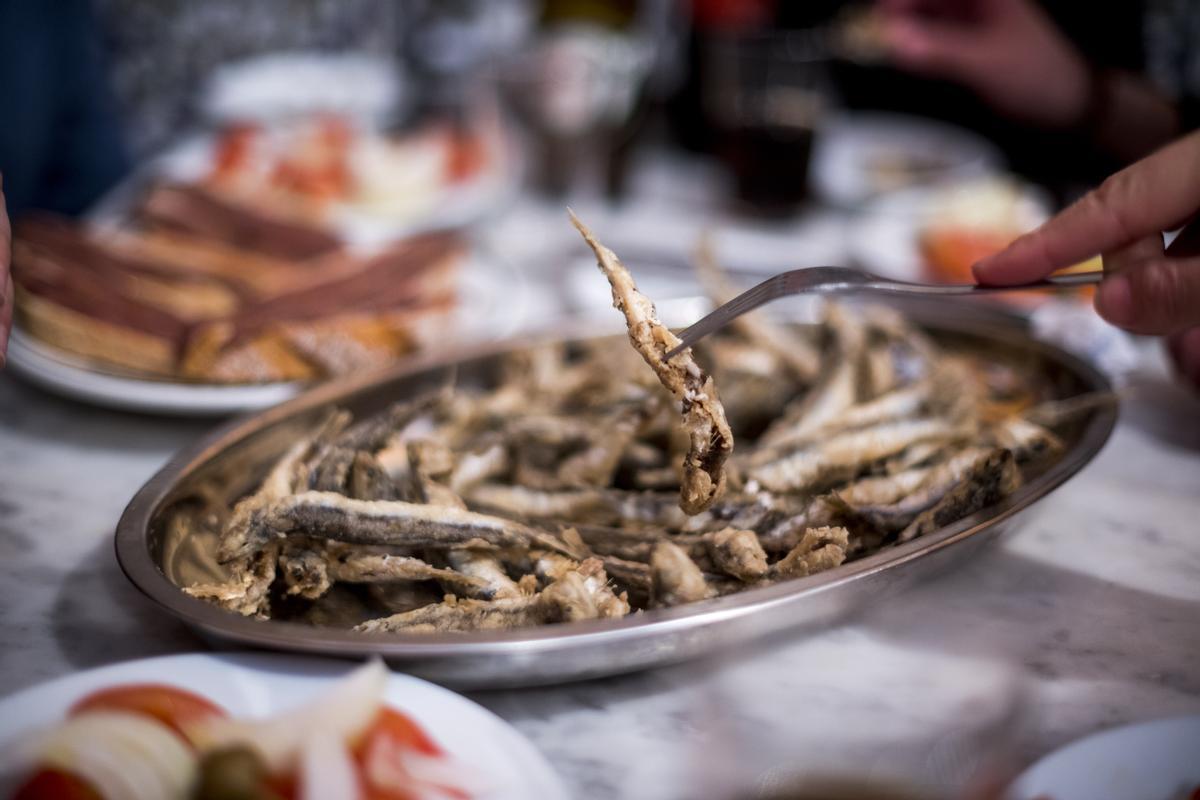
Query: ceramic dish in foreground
x=504 y=764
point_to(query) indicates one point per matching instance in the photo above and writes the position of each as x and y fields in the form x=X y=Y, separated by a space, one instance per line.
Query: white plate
x=885 y=237
x=452 y=206
x=494 y=303
x=280 y=86
x=1157 y=760
x=848 y=144
x=256 y=685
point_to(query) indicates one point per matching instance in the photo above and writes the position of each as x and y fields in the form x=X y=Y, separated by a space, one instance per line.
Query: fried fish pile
x=571 y=490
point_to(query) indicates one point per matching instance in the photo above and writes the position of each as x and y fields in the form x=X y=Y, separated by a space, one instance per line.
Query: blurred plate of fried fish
x=207 y=309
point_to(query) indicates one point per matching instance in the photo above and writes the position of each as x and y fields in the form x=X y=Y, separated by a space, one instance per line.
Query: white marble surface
x=1090 y=612
x=1085 y=617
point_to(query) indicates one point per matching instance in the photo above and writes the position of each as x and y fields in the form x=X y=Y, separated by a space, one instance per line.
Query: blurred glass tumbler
x=765 y=93
x=577 y=89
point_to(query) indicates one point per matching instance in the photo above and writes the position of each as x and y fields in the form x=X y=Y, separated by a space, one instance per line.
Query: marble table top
x=1084 y=617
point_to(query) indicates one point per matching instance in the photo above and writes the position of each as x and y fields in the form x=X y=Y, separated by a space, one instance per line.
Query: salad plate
x=496 y=759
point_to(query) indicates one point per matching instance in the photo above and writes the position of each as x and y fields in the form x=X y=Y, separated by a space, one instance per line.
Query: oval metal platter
x=234 y=457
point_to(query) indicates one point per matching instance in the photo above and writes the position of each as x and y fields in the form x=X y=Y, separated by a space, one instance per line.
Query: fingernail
x=1114 y=300
x=981 y=268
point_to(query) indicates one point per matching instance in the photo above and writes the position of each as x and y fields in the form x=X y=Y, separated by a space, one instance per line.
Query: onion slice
x=327 y=769
x=341 y=715
x=119 y=754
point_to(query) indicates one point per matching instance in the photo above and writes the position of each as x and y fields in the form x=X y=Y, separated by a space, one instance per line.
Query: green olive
x=232 y=773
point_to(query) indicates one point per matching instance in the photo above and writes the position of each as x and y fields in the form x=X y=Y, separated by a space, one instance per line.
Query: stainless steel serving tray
x=235 y=456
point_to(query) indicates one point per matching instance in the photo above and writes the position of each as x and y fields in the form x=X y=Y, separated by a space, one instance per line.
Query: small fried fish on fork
x=704 y=418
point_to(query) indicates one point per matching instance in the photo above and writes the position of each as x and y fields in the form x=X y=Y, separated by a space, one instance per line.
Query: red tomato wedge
x=53 y=784
x=467 y=156
x=176 y=708
x=382 y=745
x=395 y=728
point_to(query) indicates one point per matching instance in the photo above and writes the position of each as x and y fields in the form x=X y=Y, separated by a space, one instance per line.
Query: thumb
x=1184 y=348
x=1156 y=297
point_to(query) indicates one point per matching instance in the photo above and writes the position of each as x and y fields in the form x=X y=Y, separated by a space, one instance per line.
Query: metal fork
x=842 y=280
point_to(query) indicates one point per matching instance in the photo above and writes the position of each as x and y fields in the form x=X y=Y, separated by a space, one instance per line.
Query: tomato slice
x=176 y=708
x=390 y=735
x=396 y=729
x=467 y=156
x=53 y=784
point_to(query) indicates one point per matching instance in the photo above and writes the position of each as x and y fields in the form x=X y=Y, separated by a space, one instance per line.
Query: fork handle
x=1054 y=282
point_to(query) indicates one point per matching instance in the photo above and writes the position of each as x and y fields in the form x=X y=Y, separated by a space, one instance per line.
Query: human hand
x=1007 y=51
x=1147 y=289
x=6 y=283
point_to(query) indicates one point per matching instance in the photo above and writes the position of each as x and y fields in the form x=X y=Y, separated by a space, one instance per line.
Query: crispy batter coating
x=711 y=440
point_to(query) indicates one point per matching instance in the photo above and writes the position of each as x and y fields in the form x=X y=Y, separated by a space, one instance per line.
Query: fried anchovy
x=247 y=556
x=629 y=544
x=836 y=389
x=894 y=405
x=474 y=468
x=552 y=567
x=921 y=454
x=374 y=432
x=237 y=540
x=988 y=481
x=650 y=508
x=381 y=522
x=370 y=481
x=609 y=604
x=882 y=490
x=880 y=374
x=487 y=569
x=636 y=577
x=1057 y=412
x=844 y=455
x=703 y=417
x=549 y=567
x=890 y=503
x=465 y=615
x=426 y=460
x=657 y=478
x=396 y=597
x=819 y=549
x=677 y=579
x=783 y=532
x=305 y=572
x=330 y=470
x=737 y=553
x=566 y=600
x=247 y=592
x=1025 y=439
x=785 y=343
x=388 y=567
x=518 y=501
x=594 y=465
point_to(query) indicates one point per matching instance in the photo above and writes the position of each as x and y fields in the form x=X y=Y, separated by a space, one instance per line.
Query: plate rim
x=847 y=129
x=1019 y=789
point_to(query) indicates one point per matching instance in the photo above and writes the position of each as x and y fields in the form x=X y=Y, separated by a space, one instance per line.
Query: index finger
x=1148 y=197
